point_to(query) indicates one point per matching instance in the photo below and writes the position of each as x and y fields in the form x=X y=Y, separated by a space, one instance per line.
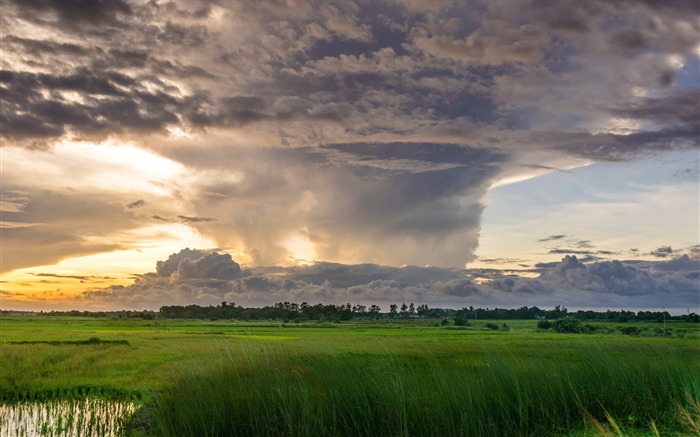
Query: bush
x=567 y=326
x=630 y=330
x=589 y=329
x=461 y=321
x=491 y=326
x=544 y=324
x=663 y=332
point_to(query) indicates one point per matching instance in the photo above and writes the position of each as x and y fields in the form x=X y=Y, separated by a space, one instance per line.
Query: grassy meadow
x=372 y=378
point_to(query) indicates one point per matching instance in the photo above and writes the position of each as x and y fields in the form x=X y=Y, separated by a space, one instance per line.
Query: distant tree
x=392 y=310
x=411 y=309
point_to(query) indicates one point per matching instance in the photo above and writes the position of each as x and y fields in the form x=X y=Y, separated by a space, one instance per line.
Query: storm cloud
x=359 y=133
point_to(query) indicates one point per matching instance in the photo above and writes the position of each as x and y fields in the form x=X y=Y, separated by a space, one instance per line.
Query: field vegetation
x=390 y=377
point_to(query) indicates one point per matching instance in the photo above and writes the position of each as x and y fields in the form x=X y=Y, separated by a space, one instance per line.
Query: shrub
x=663 y=332
x=491 y=326
x=567 y=325
x=630 y=330
x=461 y=321
x=544 y=324
x=589 y=329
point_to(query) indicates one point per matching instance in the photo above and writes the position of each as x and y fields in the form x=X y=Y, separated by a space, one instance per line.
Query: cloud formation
x=367 y=131
x=205 y=277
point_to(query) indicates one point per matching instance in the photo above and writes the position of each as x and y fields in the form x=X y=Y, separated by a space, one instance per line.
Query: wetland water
x=65 y=418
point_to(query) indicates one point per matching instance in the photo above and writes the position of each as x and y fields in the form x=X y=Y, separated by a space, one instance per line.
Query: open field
x=412 y=377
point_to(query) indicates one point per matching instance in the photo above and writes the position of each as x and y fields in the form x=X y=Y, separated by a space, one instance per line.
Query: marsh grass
x=387 y=378
x=90 y=417
x=497 y=392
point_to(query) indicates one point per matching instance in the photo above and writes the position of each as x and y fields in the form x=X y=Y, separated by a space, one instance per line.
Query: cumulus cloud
x=207 y=277
x=612 y=283
x=196 y=264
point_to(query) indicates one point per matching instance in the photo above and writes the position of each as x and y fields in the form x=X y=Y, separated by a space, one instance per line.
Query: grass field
x=386 y=378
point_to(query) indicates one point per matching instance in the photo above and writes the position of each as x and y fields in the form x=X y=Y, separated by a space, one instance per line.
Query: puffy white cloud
x=196 y=264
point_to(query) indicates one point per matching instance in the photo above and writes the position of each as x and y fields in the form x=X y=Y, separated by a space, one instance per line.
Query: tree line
x=292 y=311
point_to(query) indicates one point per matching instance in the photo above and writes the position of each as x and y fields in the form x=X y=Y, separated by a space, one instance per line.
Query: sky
x=500 y=153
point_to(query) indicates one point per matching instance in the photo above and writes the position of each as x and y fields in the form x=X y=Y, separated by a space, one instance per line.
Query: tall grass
x=494 y=392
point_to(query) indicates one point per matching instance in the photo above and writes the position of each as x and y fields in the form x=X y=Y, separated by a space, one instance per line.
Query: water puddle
x=65 y=418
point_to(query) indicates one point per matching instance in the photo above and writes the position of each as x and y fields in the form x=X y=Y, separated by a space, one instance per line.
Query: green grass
x=390 y=378
x=494 y=391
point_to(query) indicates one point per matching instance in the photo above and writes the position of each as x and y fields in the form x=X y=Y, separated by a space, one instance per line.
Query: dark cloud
x=181 y=35
x=695 y=251
x=343 y=275
x=93 y=12
x=684 y=264
x=551 y=238
x=362 y=66
x=136 y=204
x=501 y=261
x=77 y=277
x=187 y=219
x=38 y=47
x=629 y=42
x=662 y=252
x=570 y=252
x=106 y=108
x=679 y=109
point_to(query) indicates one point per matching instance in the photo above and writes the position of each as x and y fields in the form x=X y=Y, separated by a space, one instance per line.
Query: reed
x=522 y=393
